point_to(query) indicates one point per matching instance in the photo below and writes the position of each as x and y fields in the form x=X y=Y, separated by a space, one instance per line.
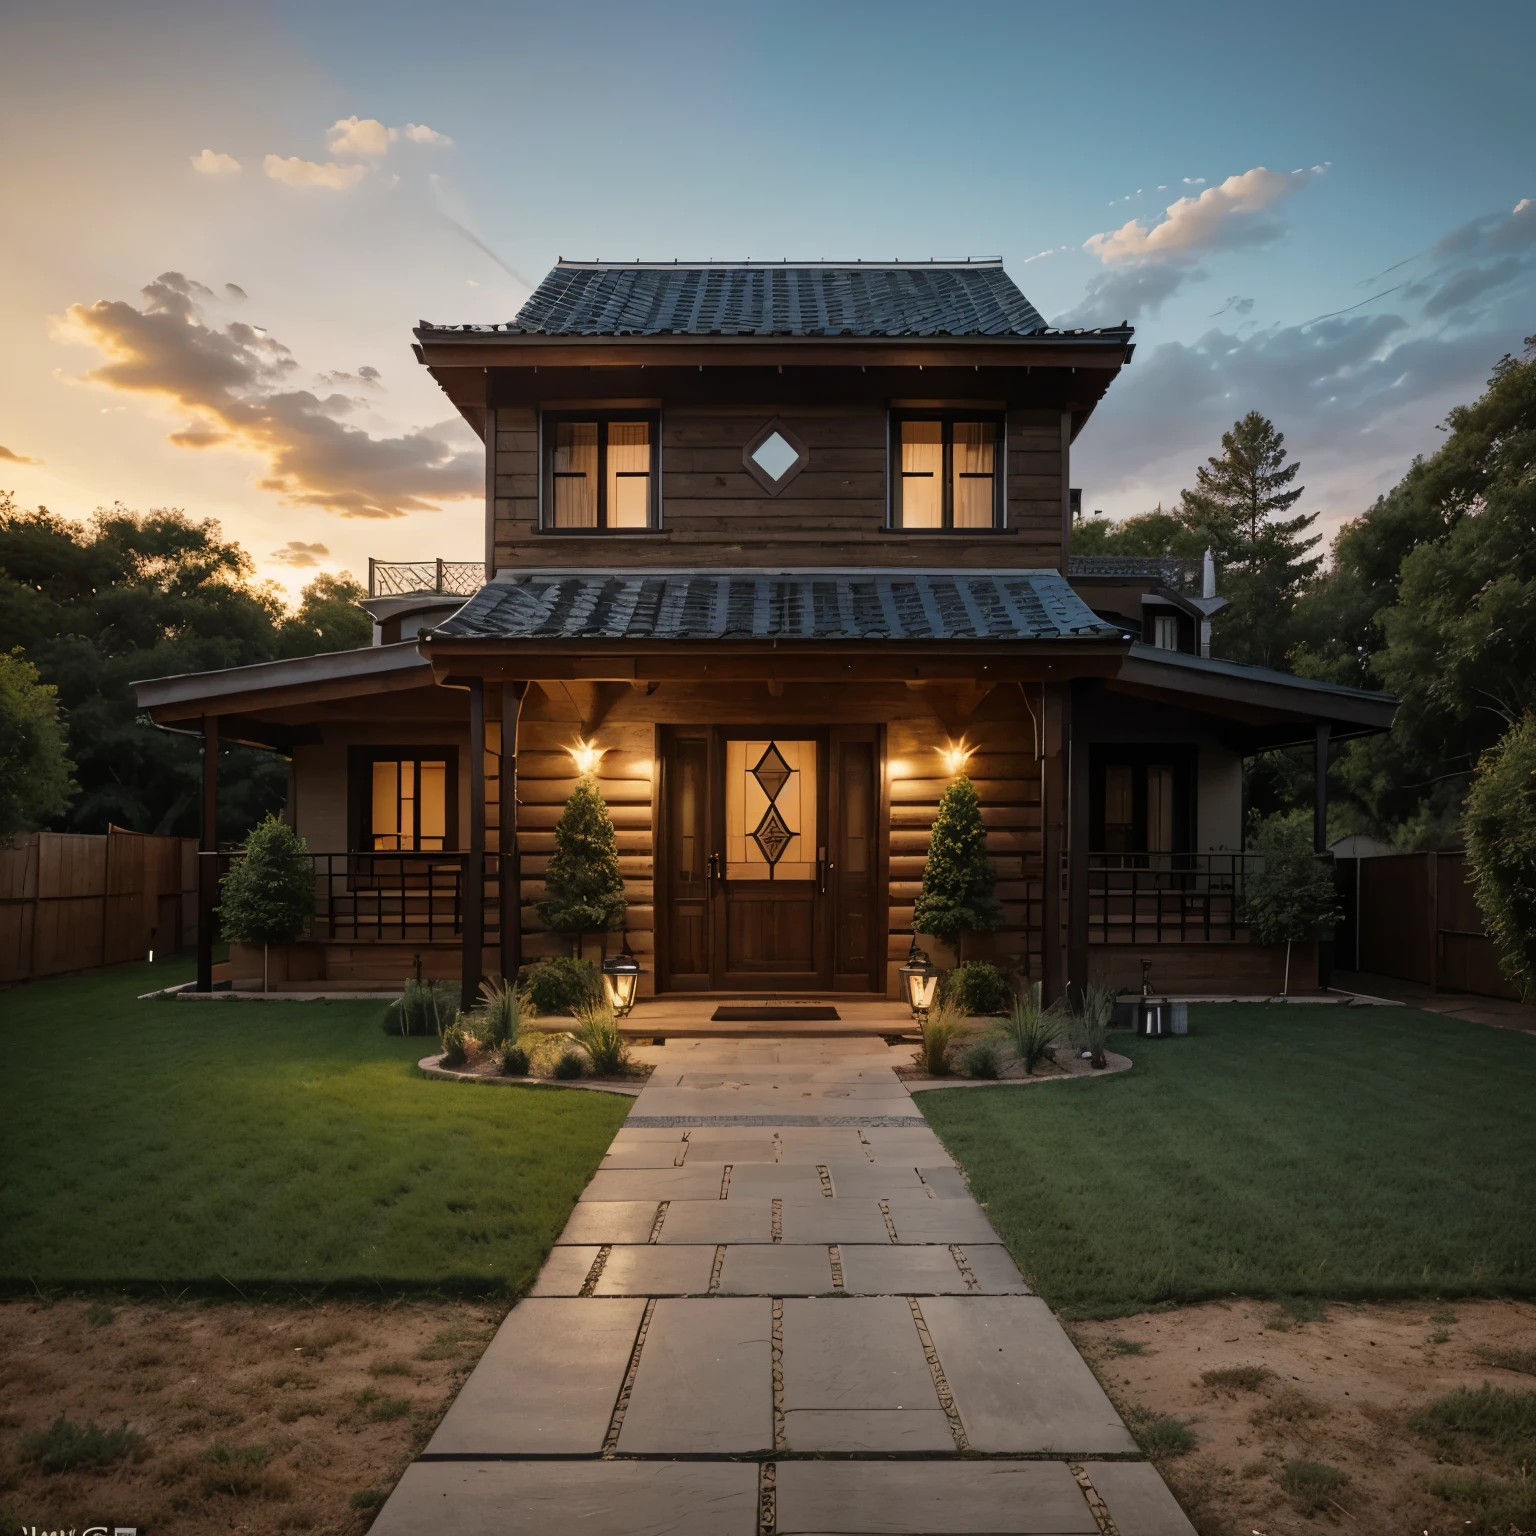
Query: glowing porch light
x=956 y=755
x=586 y=756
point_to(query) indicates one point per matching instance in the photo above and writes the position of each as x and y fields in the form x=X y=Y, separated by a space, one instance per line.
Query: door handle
x=821 y=870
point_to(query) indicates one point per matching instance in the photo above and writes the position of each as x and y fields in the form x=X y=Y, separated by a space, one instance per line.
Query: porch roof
x=817 y=605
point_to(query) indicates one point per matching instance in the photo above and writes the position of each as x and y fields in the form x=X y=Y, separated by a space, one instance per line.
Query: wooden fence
x=71 y=901
x=1413 y=916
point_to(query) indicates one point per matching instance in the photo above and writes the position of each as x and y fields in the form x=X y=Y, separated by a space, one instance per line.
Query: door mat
x=786 y=1015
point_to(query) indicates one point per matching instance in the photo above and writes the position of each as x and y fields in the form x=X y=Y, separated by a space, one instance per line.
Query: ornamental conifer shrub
x=1500 y=832
x=959 y=882
x=269 y=896
x=585 y=892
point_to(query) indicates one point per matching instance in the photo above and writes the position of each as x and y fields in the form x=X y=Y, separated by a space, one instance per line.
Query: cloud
x=1220 y=218
x=366 y=138
x=294 y=172
x=419 y=133
x=296 y=553
x=1111 y=297
x=364 y=378
x=236 y=385
x=211 y=163
x=16 y=458
x=235 y=291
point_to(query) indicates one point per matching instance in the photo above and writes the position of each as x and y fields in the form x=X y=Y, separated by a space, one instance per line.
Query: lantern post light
x=621 y=978
x=920 y=976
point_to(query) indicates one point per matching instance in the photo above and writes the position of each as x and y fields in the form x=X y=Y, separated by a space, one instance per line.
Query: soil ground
x=1340 y=1392
x=255 y=1418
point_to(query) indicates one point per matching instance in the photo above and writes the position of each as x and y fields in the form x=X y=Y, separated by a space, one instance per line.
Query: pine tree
x=958 y=879
x=269 y=896
x=1238 y=508
x=585 y=889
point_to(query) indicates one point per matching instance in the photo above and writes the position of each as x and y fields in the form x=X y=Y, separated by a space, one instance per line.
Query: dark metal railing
x=407 y=578
x=1138 y=898
x=400 y=897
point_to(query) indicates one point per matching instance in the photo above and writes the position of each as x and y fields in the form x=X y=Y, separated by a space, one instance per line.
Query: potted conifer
x=585 y=892
x=269 y=895
x=959 y=882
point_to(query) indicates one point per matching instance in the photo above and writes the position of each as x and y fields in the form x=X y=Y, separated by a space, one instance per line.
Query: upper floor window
x=948 y=471
x=599 y=470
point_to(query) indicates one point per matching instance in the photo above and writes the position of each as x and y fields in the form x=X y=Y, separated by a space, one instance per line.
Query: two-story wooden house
x=777 y=551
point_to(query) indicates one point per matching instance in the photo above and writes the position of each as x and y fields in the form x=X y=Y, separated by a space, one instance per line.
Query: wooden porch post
x=510 y=890
x=1053 y=838
x=207 y=849
x=1077 y=849
x=474 y=863
x=1320 y=842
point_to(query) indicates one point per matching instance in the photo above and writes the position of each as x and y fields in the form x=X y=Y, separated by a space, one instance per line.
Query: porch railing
x=411 y=898
x=407 y=578
x=1160 y=898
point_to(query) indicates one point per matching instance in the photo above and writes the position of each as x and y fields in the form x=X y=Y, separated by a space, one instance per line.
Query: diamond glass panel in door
x=922 y=474
x=770 y=810
x=575 y=474
x=974 y=456
x=629 y=474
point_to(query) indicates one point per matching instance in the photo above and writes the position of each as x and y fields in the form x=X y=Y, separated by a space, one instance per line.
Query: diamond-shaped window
x=772 y=772
x=775 y=456
x=772 y=835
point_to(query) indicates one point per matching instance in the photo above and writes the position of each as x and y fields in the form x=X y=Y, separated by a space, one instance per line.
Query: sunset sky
x=221 y=222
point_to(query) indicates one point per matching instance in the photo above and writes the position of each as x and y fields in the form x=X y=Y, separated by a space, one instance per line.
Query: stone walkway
x=777 y=1309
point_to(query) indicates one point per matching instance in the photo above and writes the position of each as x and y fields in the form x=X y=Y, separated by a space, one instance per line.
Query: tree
x=1153 y=534
x=585 y=889
x=269 y=895
x=328 y=618
x=1237 y=508
x=1500 y=832
x=958 y=880
x=1288 y=890
x=35 y=785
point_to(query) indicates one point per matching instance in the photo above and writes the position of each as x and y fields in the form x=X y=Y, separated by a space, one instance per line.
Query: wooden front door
x=770 y=860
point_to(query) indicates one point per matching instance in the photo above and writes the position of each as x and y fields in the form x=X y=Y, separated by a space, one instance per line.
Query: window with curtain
x=948 y=471
x=600 y=471
x=1141 y=801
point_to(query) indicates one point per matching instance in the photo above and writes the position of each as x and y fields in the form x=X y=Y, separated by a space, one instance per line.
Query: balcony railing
x=409 y=578
x=410 y=898
x=1163 y=898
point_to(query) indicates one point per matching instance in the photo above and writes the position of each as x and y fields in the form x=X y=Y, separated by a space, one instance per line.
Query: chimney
x=1208 y=576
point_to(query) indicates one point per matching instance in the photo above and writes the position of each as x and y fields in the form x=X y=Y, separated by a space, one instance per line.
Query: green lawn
x=213 y=1144
x=1275 y=1151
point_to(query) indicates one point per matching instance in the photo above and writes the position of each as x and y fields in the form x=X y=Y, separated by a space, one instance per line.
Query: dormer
x=882 y=414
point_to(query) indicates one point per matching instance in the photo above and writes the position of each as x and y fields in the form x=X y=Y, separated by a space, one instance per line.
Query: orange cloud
x=15 y=458
x=236 y=385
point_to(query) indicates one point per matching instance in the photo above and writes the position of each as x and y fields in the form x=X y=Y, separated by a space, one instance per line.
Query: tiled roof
x=1170 y=570
x=969 y=298
x=788 y=605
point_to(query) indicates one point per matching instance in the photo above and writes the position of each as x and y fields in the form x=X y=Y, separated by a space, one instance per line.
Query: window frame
x=1183 y=758
x=948 y=418
x=360 y=761
x=548 y=421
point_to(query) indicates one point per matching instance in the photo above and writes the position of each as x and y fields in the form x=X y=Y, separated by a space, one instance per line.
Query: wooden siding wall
x=73 y=901
x=833 y=513
x=1003 y=768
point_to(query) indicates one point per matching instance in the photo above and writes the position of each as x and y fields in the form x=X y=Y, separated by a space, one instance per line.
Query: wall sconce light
x=621 y=978
x=920 y=976
x=586 y=756
x=956 y=755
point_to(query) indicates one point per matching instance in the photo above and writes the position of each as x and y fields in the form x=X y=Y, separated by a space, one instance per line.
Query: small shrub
x=1499 y=827
x=939 y=1028
x=597 y=1032
x=389 y=1367
x=1032 y=1031
x=981 y=1060
x=383 y=1409
x=1289 y=1405
x=1311 y=1485
x=65 y=1445
x=1090 y=1024
x=1491 y=1419
x=237 y=1470
x=495 y=1019
x=1236 y=1378
x=1490 y=1506
x=454 y=1040
x=561 y=985
x=1120 y=1346
x=1522 y=1360
x=98 y=1315
x=514 y=1060
x=978 y=987
x=570 y=1065
x=423 y=1008
x=367 y=1498
x=1161 y=1437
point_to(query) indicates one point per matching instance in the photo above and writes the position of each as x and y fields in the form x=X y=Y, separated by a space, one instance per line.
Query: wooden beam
x=1053 y=813
x=207 y=855
x=509 y=891
x=473 y=888
x=1077 y=857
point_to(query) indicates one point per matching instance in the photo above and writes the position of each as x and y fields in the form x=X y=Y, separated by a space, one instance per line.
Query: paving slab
x=657 y=1270
x=693 y=1181
x=933 y=1498
x=732 y=1147
x=632 y=1135
x=906 y=1145
x=600 y=1498
x=904 y=1269
x=1018 y=1382
x=1138 y=1499
x=547 y=1383
x=565 y=1271
x=776 y=1269
x=994 y=1269
x=878 y=1180
x=920 y=1219
x=645 y=1154
x=819 y=1220
x=610 y=1221
x=775 y=1181
x=877 y=1431
x=740 y=1220
x=945 y=1180
x=705 y=1383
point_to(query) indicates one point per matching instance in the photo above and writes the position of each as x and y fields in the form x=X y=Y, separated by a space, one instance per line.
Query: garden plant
x=959 y=882
x=269 y=895
x=585 y=891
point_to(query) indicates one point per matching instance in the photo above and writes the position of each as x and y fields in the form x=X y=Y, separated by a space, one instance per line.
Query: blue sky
x=1366 y=159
